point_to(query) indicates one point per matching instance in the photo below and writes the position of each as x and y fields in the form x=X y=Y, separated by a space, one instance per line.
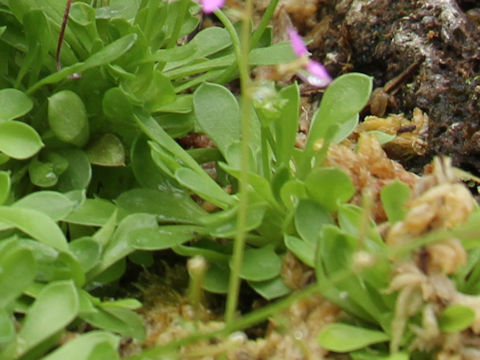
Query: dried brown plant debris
x=293 y=334
x=438 y=201
x=369 y=168
x=410 y=137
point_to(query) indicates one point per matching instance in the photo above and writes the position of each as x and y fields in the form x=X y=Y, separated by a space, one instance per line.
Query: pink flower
x=298 y=46
x=209 y=6
x=315 y=74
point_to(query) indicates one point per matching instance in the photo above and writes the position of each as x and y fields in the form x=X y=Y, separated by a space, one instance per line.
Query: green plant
x=92 y=177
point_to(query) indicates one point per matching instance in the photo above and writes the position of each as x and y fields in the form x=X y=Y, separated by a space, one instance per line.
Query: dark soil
x=383 y=38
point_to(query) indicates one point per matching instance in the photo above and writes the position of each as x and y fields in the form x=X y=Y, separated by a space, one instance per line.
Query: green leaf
x=7 y=328
x=79 y=172
x=149 y=87
x=13 y=104
x=83 y=346
x=107 y=151
x=67 y=117
x=87 y=251
x=42 y=174
x=93 y=212
x=117 y=106
x=260 y=264
x=343 y=100
x=270 y=289
x=304 y=250
x=128 y=303
x=164 y=237
x=382 y=137
x=344 y=338
x=4 y=186
x=291 y=192
x=203 y=186
x=276 y=54
x=19 y=140
x=39 y=38
x=218 y=114
x=286 y=126
x=54 y=308
x=183 y=105
x=116 y=319
x=216 y=278
x=169 y=206
x=370 y=355
x=209 y=250
x=54 y=204
x=329 y=187
x=210 y=41
x=103 y=351
x=310 y=217
x=17 y=272
x=456 y=318
x=36 y=224
x=107 y=55
x=168 y=145
x=224 y=223
x=53 y=265
x=119 y=247
x=104 y=234
x=146 y=172
x=126 y=9
x=394 y=197
x=44 y=170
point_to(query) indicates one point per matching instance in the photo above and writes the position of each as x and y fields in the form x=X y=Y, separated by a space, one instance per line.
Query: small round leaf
x=18 y=140
x=456 y=318
x=13 y=104
x=107 y=151
x=260 y=264
x=68 y=118
x=329 y=187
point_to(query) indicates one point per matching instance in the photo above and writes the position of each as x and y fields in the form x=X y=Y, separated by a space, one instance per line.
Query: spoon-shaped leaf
x=13 y=104
x=18 y=140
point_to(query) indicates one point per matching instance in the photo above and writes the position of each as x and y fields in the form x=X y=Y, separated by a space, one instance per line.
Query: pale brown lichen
x=438 y=202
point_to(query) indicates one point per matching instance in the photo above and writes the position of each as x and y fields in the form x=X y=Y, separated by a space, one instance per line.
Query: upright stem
x=242 y=50
x=62 y=34
x=267 y=16
x=229 y=73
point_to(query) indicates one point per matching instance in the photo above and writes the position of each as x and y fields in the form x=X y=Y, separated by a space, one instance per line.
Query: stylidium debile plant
x=92 y=177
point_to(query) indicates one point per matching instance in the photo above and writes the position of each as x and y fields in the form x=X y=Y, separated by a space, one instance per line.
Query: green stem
x=242 y=50
x=267 y=16
x=237 y=47
x=230 y=72
x=265 y=153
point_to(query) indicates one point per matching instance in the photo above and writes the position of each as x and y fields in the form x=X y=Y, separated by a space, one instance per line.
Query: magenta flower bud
x=316 y=74
x=298 y=46
x=318 y=71
x=209 y=6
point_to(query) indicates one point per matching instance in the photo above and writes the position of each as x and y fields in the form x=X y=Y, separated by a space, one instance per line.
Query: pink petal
x=298 y=46
x=318 y=75
x=209 y=6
